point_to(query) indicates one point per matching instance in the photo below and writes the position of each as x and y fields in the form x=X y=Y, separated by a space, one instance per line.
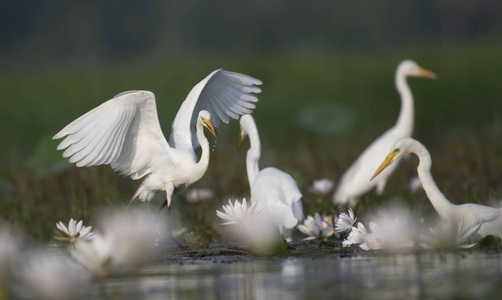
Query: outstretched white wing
x=224 y=94
x=123 y=132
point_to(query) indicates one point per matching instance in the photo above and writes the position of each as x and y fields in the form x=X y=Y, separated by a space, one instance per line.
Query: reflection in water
x=411 y=276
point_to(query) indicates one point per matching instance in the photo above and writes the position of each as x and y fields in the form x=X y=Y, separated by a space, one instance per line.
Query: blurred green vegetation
x=458 y=117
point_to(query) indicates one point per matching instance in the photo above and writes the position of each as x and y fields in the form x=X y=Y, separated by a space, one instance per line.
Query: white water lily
x=199 y=194
x=238 y=212
x=250 y=226
x=451 y=235
x=345 y=221
x=373 y=240
x=313 y=227
x=127 y=241
x=322 y=187
x=9 y=250
x=356 y=236
x=329 y=226
x=49 y=276
x=74 y=231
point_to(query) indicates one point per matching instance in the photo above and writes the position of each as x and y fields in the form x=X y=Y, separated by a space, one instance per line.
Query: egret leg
x=169 y=213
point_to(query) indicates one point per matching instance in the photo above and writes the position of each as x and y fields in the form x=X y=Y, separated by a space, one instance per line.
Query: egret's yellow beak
x=388 y=160
x=209 y=126
x=426 y=73
x=239 y=140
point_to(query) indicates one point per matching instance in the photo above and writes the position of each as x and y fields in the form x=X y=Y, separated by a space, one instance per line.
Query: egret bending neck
x=442 y=206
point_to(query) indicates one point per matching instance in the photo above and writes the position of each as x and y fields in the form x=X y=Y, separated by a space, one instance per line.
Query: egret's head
x=411 y=68
x=400 y=149
x=246 y=121
x=205 y=118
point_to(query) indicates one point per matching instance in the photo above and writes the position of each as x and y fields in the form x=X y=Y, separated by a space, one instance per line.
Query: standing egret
x=356 y=180
x=273 y=189
x=125 y=133
x=490 y=218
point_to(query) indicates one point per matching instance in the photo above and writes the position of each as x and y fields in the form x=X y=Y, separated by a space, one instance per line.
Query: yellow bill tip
x=427 y=74
x=239 y=141
x=209 y=126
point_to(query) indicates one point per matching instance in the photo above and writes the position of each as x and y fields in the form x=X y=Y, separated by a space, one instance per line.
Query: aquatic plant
x=314 y=227
x=321 y=187
x=73 y=232
x=199 y=194
x=345 y=221
x=49 y=276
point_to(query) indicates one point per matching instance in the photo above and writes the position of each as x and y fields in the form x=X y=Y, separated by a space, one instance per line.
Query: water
x=465 y=275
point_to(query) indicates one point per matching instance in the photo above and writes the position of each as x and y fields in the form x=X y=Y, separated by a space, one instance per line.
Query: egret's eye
x=395 y=151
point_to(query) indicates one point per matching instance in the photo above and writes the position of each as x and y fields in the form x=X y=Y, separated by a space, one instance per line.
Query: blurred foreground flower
x=451 y=235
x=251 y=226
x=73 y=232
x=345 y=221
x=9 y=250
x=321 y=187
x=356 y=236
x=47 y=276
x=315 y=227
x=199 y=194
x=127 y=241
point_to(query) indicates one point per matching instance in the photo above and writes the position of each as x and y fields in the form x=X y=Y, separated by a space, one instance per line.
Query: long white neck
x=406 y=114
x=253 y=154
x=203 y=163
x=443 y=207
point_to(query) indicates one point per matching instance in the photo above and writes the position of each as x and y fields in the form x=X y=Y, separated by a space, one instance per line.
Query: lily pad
x=198 y=239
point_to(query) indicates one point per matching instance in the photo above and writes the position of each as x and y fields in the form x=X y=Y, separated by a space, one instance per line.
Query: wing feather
x=123 y=132
x=105 y=144
x=84 y=137
x=224 y=94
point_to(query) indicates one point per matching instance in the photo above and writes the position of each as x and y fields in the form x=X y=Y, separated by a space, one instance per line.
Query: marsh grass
x=458 y=117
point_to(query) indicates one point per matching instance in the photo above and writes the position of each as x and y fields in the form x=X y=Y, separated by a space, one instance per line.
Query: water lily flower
x=9 y=250
x=74 y=231
x=49 y=276
x=466 y=235
x=199 y=194
x=238 y=212
x=373 y=240
x=313 y=227
x=329 y=226
x=345 y=221
x=451 y=235
x=127 y=240
x=321 y=187
x=250 y=225
x=356 y=236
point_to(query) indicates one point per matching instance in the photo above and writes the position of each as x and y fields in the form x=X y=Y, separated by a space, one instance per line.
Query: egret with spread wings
x=125 y=133
x=489 y=218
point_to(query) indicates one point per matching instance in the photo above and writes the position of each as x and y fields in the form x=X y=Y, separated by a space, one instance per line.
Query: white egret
x=273 y=189
x=490 y=218
x=125 y=133
x=356 y=180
